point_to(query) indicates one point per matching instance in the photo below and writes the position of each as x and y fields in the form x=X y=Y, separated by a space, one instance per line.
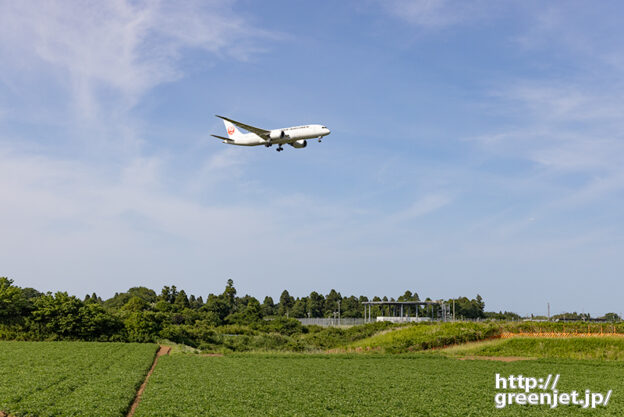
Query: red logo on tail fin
x=231 y=130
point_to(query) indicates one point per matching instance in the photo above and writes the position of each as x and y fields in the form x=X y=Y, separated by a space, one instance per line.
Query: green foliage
x=143 y=326
x=139 y=315
x=331 y=303
x=71 y=378
x=603 y=348
x=281 y=325
x=135 y=304
x=468 y=309
x=13 y=303
x=322 y=338
x=217 y=305
x=251 y=313
x=67 y=317
x=507 y=315
x=571 y=316
x=285 y=304
x=424 y=336
x=268 y=307
x=561 y=327
x=181 y=301
x=120 y=299
x=315 y=304
x=612 y=317
x=357 y=385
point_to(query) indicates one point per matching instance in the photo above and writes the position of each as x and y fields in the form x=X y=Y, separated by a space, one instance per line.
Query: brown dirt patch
x=559 y=334
x=164 y=350
x=495 y=358
x=210 y=355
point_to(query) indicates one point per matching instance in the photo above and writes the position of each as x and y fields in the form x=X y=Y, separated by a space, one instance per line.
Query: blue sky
x=475 y=148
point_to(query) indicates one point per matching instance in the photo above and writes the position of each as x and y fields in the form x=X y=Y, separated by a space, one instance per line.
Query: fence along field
x=71 y=378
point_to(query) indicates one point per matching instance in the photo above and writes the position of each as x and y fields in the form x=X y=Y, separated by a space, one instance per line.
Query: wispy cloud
x=438 y=13
x=80 y=68
x=424 y=205
x=117 y=50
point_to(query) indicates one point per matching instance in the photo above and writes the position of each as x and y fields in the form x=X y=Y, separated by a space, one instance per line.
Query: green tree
x=299 y=308
x=218 y=306
x=13 y=305
x=135 y=304
x=253 y=312
x=67 y=317
x=229 y=294
x=612 y=317
x=286 y=303
x=181 y=301
x=331 y=302
x=143 y=326
x=120 y=299
x=316 y=304
x=351 y=307
x=268 y=306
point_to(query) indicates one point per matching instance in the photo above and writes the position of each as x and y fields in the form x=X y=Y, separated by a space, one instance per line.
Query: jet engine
x=277 y=134
x=299 y=144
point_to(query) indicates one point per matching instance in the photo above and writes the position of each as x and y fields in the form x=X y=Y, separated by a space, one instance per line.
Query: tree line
x=140 y=314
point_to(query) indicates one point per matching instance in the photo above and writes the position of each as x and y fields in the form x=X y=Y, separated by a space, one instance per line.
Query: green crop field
x=71 y=378
x=359 y=385
x=101 y=379
x=605 y=348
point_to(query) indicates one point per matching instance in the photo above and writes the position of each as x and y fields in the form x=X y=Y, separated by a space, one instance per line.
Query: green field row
x=71 y=378
x=601 y=348
x=358 y=385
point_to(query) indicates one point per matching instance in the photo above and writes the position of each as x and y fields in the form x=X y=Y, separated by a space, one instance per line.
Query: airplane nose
x=327 y=131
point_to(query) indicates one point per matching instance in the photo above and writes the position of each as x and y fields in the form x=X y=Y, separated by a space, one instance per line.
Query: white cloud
x=116 y=50
x=425 y=205
x=438 y=13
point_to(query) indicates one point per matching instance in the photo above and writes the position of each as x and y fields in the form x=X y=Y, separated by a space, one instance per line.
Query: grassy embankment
x=240 y=338
x=600 y=348
x=426 y=336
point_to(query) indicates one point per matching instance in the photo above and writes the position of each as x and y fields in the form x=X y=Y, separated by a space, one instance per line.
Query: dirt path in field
x=494 y=358
x=164 y=350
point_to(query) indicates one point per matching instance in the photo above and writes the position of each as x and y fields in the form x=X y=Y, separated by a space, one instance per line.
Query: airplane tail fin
x=232 y=130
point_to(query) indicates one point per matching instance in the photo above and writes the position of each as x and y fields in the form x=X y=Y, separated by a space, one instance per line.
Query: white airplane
x=294 y=136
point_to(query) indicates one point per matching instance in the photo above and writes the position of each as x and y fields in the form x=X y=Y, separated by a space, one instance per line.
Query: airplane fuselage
x=281 y=136
x=295 y=136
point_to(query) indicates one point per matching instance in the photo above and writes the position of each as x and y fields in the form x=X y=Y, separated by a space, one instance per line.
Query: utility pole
x=339 y=312
x=548 y=311
x=453 y=309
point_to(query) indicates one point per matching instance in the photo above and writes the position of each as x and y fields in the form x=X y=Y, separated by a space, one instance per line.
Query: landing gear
x=319 y=139
x=268 y=145
x=279 y=148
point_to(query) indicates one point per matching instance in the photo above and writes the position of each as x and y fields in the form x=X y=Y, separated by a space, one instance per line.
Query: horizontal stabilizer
x=222 y=138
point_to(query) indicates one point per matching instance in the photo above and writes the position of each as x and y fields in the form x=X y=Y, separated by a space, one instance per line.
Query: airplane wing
x=260 y=132
x=221 y=137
